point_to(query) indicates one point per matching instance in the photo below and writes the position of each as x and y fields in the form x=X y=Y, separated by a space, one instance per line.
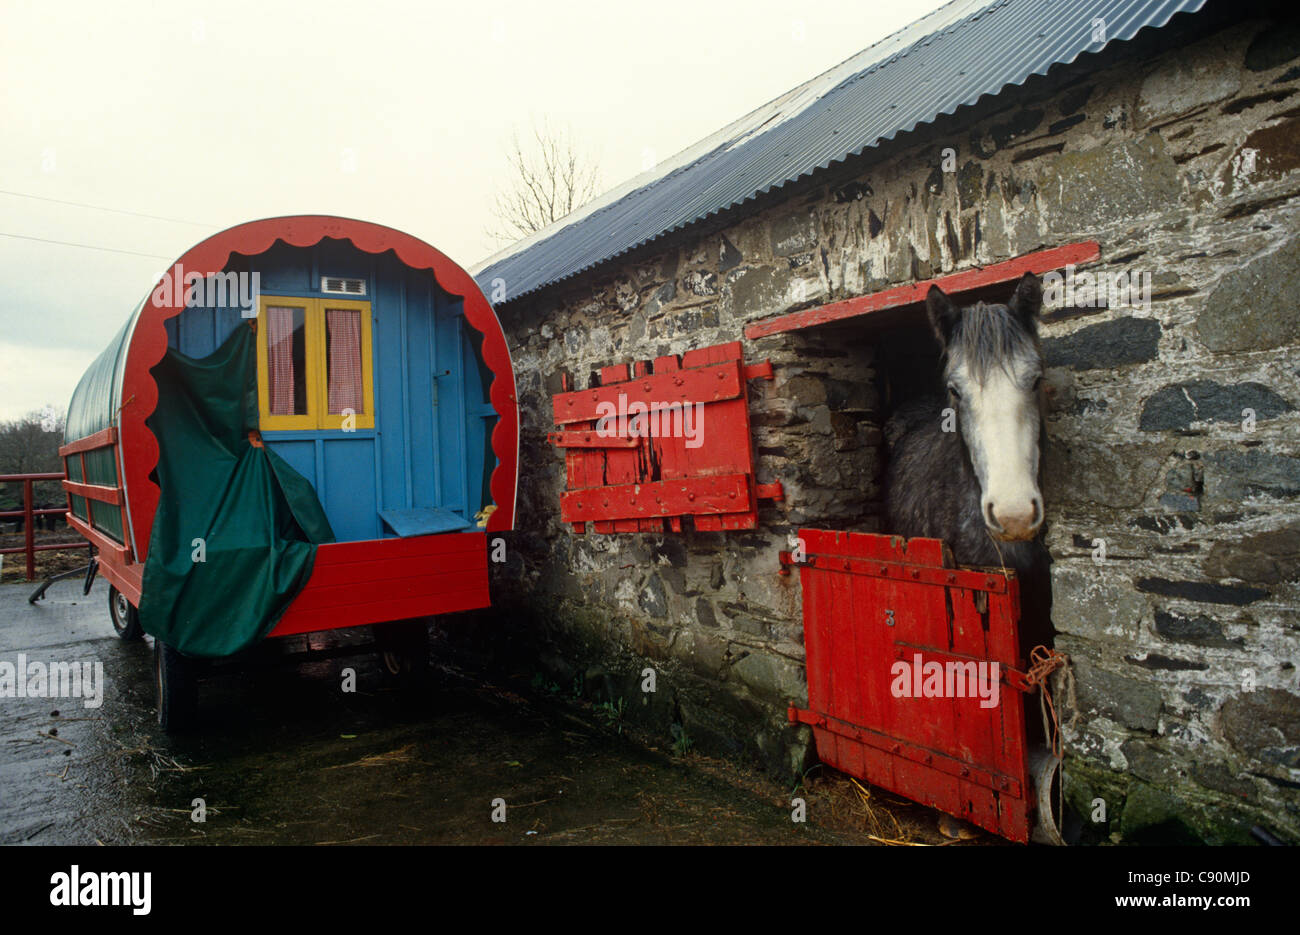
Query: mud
x=284 y=756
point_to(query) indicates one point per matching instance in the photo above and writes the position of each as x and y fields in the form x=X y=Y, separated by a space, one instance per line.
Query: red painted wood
x=692 y=495
x=591 y=439
x=914 y=572
x=1039 y=262
x=111 y=495
x=124 y=575
x=350 y=553
x=356 y=583
x=101 y=439
x=660 y=391
x=99 y=540
x=343 y=596
x=139 y=449
x=380 y=612
x=639 y=370
x=630 y=488
x=621 y=466
x=871 y=601
x=28 y=514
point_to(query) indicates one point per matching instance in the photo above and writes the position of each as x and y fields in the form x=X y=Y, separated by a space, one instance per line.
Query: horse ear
x=1027 y=301
x=943 y=314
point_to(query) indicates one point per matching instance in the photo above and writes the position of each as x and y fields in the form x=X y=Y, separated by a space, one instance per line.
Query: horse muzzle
x=1014 y=524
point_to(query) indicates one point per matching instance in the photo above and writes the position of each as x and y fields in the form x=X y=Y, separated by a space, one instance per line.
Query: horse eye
x=953 y=390
x=1038 y=382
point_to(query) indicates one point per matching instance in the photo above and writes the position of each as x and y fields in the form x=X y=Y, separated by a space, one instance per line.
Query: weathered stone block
x=1198 y=630
x=700 y=282
x=1201 y=591
x=1126 y=701
x=1148 y=762
x=773 y=677
x=1264 y=725
x=1179 y=405
x=1276 y=45
x=729 y=257
x=1267 y=153
x=970 y=179
x=793 y=234
x=1095 y=603
x=759 y=291
x=1186 y=82
x=1156 y=816
x=1254 y=307
x=1161 y=662
x=1266 y=557
x=1113 y=183
x=1109 y=475
x=1234 y=475
x=803 y=389
x=652 y=598
x=1105 y=345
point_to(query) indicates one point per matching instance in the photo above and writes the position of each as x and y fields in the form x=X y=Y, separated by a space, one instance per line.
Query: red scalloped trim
x=149 y=344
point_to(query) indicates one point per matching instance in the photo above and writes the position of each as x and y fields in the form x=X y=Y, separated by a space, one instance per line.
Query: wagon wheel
x=404 y=652
x=176 y=688
x=126 y=619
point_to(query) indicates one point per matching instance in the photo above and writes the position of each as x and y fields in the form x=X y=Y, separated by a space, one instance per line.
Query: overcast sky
x=206 y=115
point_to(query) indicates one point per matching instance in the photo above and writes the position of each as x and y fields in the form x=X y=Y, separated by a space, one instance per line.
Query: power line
x=86 y=246
x=82 y=204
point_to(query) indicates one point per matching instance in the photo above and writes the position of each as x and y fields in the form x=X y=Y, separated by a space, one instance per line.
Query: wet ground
x=284 y=756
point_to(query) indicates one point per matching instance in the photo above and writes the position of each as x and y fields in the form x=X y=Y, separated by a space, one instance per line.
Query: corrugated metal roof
x=948 y=59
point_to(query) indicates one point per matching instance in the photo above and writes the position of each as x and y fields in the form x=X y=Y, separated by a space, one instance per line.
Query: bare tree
x=549 y=179
x=30 y=445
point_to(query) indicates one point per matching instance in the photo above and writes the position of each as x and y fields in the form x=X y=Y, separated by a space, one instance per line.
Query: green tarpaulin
x=236 y=530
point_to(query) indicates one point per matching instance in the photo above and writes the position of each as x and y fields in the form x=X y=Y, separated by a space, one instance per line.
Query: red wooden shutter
x=625 y=477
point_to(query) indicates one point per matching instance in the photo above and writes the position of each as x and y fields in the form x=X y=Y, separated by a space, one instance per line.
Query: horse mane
x=988 y=336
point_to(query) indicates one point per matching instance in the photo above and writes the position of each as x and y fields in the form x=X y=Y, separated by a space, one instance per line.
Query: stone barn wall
x=1178 y=154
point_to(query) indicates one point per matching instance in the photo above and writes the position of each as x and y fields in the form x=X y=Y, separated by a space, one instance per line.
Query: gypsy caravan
x=310 y=423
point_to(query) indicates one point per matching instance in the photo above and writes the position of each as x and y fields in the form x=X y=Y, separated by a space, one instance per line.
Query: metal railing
x=30 y=546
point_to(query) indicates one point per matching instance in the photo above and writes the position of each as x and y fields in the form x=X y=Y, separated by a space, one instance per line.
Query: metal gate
x=915 y=675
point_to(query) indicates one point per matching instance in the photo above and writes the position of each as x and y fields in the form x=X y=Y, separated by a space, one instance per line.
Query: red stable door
x=912 y=672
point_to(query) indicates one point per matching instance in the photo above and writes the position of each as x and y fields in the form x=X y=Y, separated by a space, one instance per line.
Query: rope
x=1043 y=662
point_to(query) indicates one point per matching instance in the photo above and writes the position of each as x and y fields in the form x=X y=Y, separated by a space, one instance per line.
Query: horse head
x=993 y=367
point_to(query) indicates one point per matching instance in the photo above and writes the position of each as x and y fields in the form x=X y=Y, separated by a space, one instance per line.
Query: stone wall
x=1173 y=512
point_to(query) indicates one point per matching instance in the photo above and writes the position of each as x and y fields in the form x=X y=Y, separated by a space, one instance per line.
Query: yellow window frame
x=317 y=417
x=334 y=421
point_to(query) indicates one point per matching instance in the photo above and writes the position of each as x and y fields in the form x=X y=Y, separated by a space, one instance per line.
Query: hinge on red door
x=592 y=439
